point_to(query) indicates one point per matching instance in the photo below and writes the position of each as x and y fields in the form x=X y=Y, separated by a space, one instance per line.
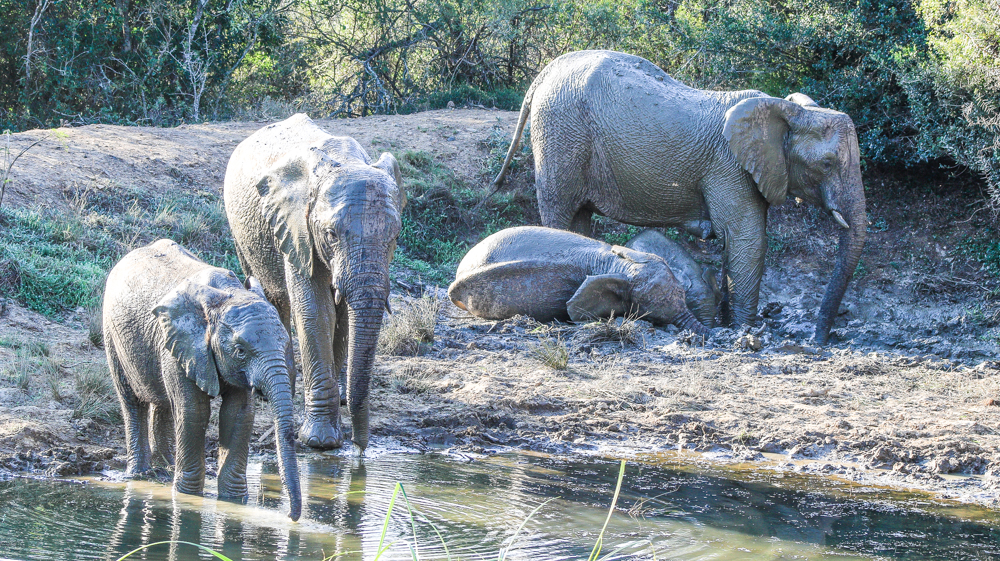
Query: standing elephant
x=551 y=274
x=316 y=221
x=701 y=291
x=179 y=332
x=611 y=133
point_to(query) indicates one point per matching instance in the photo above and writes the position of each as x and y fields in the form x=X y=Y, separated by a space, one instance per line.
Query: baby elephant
x=701 y=291
x=179 y=332
x=555 y=274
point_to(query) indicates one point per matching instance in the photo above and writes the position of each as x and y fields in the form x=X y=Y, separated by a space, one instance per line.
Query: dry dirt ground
x=905 y=395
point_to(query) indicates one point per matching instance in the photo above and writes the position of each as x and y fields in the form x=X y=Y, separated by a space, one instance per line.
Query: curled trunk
x=686 y=320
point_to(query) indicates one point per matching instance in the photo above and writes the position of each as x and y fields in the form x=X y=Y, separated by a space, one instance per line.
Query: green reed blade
x=199 y=546
x=600 y=538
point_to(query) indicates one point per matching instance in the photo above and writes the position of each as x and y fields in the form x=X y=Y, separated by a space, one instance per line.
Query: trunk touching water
x=364 y=328
x=277 y=391
x=367 y=292
x=852 y=241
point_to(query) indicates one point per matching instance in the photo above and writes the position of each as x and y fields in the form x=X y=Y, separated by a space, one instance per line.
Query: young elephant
x=553 y=274
x=701 y=291
x=179 y=332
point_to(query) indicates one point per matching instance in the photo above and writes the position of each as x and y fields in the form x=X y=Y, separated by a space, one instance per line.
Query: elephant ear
x=756 y=129
x=600 y=296
x=387 y=163
x=802 y=99
x=253 y=285
x=285 y=201
x=183 y=318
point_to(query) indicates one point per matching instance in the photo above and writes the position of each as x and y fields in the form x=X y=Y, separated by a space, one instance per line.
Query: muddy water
x=680 y=511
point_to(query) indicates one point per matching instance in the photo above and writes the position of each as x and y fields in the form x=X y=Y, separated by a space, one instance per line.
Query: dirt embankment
x=906 y=394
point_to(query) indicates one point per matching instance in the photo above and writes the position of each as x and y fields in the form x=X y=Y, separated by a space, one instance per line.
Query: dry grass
x=624 y=330
x=97 y=398
x=94 y=319
x=551 y=352
x=403 y=332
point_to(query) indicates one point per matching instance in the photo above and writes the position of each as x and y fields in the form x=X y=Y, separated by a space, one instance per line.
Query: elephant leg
x=745 y=248
x=581 y=223
x=340 y=349
x=235 y=427
x=161 y=434
x=192 y=409
x=312 y=314
x=135 y=415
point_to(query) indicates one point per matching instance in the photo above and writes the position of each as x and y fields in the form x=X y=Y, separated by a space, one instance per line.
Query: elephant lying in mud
x=701 y=291
x=613 y=134
x=551 y=274
x=179 y=332
x=316 y=221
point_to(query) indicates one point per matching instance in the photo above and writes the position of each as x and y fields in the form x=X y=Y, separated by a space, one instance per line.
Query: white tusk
x=337 y=297
x=840 y=219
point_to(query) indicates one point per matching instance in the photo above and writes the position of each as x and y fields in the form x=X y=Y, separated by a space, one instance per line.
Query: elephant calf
x=179 y=332
x=551 y=274
x=701 y=291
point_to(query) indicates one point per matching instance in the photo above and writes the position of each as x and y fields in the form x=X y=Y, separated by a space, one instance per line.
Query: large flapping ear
x=756 y=130
x=286 y=199
x=600 y=296
x=387 y=163
x=183 y=318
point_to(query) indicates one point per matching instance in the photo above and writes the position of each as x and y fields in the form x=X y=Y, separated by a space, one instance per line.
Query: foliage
x=54 y=261
x=405 y=329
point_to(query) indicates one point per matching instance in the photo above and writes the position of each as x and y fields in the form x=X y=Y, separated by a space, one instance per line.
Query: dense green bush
x=920 y=78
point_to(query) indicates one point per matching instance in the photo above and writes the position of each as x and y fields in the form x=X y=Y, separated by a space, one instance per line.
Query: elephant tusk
x=387 y=307
x=840 y=219
x=338 y=297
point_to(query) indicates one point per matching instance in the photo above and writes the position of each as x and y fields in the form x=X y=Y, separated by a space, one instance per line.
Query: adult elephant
x=613 y=134
x=316 y=221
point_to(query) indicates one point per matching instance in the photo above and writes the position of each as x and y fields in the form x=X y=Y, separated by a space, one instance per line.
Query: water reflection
x=476 y=507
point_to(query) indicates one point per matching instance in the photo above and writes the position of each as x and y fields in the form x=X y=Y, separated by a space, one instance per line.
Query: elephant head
x=651 y=292
x=235 y=338
x=794 y=147
x=347 y=216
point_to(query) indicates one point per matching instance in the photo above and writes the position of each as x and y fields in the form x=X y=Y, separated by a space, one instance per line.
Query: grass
x=54 y=261
x=403 y=332
x=551 y=352
x=445 y=217
x=624 y=330
x=96 y=394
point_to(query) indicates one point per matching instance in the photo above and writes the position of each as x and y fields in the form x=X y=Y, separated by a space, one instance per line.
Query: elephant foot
x=321 y=434
x=188 y=488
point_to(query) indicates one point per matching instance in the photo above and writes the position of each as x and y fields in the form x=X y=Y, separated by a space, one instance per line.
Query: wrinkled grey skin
x=701 y=291
x=316 y=221
x=179 y=332
x=551 y=274
x=611 y=133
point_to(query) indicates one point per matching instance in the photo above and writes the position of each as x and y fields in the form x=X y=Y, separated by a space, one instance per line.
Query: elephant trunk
x=276 y=389
x=365 y=306
x=686 y=320
x=852 y=241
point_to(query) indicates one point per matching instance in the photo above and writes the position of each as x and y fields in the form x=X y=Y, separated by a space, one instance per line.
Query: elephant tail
x=522 y=119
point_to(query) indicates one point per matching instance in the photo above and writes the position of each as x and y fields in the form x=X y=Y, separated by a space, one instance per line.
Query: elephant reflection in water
x=146 y=519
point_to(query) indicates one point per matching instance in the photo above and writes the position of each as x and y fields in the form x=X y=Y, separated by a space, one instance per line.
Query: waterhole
x=471 y=509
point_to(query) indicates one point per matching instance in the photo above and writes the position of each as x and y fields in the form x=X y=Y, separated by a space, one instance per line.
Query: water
x=680 y=511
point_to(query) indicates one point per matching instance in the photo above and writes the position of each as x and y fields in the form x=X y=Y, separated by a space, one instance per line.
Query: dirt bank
x=905 y=395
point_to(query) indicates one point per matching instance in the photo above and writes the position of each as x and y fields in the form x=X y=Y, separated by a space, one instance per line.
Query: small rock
x=991 y=402
x=451 y=105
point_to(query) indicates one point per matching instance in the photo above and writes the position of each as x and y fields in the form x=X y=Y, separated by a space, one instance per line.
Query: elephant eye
x=331 y=236
x=239 y=353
